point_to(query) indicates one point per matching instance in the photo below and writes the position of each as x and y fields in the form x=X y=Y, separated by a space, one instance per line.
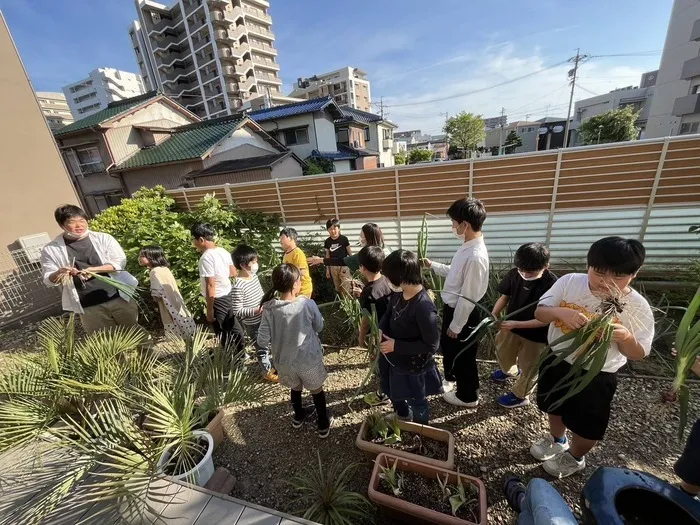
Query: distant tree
x=513 y=141
x=464 y=131
x=318 y=166
x=419 y=155
x=400 y=158
x=616 y=125
x=455 y=153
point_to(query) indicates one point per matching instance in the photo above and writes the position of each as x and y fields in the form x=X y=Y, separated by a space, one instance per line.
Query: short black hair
x=617 y=255
x=371 y=258
x=402 y=266
x=202 y=230
x=243 y=255
x=155 y=255
x=468 y=210
x=532 y=257
x=68 y=211
x=332 y=222
x=291 y=233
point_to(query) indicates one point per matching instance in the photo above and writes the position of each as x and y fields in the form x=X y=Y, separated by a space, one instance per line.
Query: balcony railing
x=263 y=3
x=92 y=167
x=254 y=29
x=263 y=47
x=686 y=105
x=387 y=143
x=225 y=53
x=691 y=68
x=222 y=35
x=232 y=87
x=266 y=62
x=257 y=14
x=229 y=71
x=268 y=78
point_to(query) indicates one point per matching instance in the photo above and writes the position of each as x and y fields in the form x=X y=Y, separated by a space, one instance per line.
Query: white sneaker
x=452 y=399
x=563 y=465
x=546 y=448
x=448 y=386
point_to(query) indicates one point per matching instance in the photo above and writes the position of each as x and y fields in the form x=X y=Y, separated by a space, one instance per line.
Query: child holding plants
x=375 y=294
x=246 y=297
x=522 y=339
x=164 y=290
x=466 y=276
x=337 y=246
x=289 y=327
x=294 y=255
x=410 y=339
x=572 y=302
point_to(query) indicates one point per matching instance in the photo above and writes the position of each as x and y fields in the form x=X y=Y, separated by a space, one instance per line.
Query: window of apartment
x=342 y=136
x=688 y=128
x=386 y=134
x=296 y=136
x=367 y=134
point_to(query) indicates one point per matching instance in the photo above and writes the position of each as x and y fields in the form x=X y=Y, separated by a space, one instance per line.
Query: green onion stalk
x=688 y=348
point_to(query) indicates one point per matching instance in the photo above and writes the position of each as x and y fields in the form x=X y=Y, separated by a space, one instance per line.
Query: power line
x=636 y=54
x=587 y=90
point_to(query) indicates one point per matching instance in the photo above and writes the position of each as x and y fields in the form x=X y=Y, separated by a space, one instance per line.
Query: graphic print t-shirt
x=572 y=291
x=337 y=247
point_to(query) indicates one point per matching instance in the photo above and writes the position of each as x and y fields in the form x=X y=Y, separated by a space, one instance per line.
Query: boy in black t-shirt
x=521 y=340
x=338 y=247
x=376 y=292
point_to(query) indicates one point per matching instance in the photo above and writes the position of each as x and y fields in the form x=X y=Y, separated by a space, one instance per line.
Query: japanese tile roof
x=356 y=115
x=334 y=155
x=187 y=142
x=358 y=152
x=297 y=108
x=228 y=166
x=113 y=109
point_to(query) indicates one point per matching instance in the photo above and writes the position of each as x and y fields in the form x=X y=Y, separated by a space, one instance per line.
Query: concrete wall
x=325 y=132
x=287 y=168
x=342 y=166
x=244 y=137
x=241 y=152
x=677 y=49
x=34 y=178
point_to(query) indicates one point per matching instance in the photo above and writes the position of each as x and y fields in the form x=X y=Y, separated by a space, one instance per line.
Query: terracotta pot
x=407 y=512
x=371 y=449
x=216 y=428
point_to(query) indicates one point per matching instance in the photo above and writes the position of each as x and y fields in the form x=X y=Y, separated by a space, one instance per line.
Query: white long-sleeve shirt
x=55 y=255
x=467 y=275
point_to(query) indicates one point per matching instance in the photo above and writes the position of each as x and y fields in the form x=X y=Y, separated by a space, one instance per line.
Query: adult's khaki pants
x=513 y=352
x=342 y=279
x=116 y=312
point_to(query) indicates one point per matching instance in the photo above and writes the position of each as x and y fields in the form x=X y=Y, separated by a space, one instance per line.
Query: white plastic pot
x=204 y=470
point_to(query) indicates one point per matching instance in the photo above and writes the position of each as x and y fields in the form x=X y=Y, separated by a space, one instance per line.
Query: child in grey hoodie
x=290 y=327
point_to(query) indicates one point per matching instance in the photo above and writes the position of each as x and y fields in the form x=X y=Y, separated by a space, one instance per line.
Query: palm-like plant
x=688 y=348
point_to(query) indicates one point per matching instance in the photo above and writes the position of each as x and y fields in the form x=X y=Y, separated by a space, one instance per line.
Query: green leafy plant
x=420 y=155
x=688 y=347
x=383 y=430
x=423 y=238
x=326 y=495
x=392 y=479
x=459 y=495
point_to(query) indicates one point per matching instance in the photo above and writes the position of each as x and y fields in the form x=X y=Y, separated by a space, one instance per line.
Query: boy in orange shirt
x=294 y=255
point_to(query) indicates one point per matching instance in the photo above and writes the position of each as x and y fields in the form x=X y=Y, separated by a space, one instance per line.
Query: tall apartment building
x=348 y=86
x=102 y=86
x=495 y=122
x=209 y=55
x=55 y=109
x=675 y=107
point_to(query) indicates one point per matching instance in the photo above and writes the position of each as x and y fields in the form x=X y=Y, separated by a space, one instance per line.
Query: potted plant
x=416 y=492
x=404 y=439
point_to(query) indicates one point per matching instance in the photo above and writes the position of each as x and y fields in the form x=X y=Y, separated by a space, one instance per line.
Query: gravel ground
x=263 y=450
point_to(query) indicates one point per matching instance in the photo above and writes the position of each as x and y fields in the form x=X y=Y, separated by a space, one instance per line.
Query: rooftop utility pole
x=500 y=142
x=578 y=59
x=381 y=107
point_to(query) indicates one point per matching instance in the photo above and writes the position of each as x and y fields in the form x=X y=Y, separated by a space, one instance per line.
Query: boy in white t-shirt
x=571 y=302
x=215 y=271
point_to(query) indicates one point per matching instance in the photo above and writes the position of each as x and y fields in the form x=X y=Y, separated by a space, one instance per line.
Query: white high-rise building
x=209 y=55
x=348 y=86
x=55 y=109
x=102 y=86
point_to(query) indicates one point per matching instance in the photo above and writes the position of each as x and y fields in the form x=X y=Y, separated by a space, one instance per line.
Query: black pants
x=463 y=370
x=226 y=327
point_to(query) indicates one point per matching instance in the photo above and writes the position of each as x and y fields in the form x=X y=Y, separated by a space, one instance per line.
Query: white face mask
x=524 y=278
x=456 y=234
x=253 y=268
x=75 y=236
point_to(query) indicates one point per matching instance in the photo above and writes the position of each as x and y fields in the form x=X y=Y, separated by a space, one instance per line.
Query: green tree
x=419 y=155
x=616 y=125
x=464 y=131
x=318 y=166
x=400 y=158
x=513 y=141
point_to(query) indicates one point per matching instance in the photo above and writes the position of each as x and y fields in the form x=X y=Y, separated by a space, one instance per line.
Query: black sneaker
x=309 y=412
x=515 y=491
x=323 y=433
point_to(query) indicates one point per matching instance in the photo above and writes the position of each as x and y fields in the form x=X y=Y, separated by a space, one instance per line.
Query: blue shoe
x=499 y=376
x=510 y=400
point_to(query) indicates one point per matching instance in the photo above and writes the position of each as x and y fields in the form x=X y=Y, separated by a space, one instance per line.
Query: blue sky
x=414 y=51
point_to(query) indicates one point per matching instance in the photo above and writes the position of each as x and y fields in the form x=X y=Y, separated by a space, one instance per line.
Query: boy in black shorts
x=375 y=293
x=338 y=247
x=573 y=300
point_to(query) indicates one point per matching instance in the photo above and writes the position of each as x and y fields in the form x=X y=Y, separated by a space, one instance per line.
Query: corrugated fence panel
x=306 y=200
x=367 y=194
x=432 y=191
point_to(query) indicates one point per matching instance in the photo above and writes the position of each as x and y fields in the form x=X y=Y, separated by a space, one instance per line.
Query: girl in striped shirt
x=246 y=296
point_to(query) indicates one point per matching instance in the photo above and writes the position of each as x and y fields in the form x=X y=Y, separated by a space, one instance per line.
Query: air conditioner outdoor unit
x=32 y=245
x=356 y=143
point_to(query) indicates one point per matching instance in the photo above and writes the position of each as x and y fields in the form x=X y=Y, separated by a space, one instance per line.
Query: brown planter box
x=409 y=512
x=216 y=428
x=372 y=450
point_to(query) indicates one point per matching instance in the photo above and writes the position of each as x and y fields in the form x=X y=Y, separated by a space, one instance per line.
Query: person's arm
x=500 y=305
x=210 y=296
x=438 y=268
x=627 y=344
x=51 y=270
x=429 y=342
x=316 y=317
x=116 y=258
x=264 y=334
x=635 y=343
x=348 y=250
x=532 y=323
x=328 y=270
x=474 y=285
x=328 y=254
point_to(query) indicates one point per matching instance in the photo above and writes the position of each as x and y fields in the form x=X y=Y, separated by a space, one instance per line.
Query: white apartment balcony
x=164 y=24
x=221 y=35
x=169 y=59
x=246 y=84
x=178 y=90
x=208 y=77
x=263 y=48
x=197 y=25
x=387 y=143
x=262 y=3
x=257 y=30
x=225 y=53
x=242 y=48
x=257 y=14
x=238 y=31
x=163 y=44
x=171 y=78
x=229 y=71
x=221 y=3
x=268 y=78
x=244 y=66
x=225 y=18
x=232 y=87
x=266 y=63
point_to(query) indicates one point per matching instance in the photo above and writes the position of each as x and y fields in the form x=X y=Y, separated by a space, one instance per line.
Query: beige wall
x=170 y=176
x=287 y=168
x=34 y=180
x=233 y=178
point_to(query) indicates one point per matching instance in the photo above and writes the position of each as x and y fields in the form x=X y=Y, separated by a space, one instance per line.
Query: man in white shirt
x=467 y=276
x=215 y=270
x=65 y=261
